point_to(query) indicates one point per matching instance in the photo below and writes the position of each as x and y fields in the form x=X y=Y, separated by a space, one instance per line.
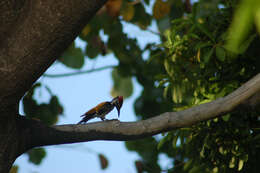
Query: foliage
x=199 y=68
x=200 y=58
x=122 y=86
x=246 y=15
x=73 y=57
x=36 y=155
x=46 y=112
x=103 y=161
x=14 y=169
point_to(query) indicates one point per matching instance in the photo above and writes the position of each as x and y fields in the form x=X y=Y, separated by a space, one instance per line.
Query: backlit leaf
x=122 y=85
x=240 y=165
x=128 y=12
x=73 y=57
x=14 y=169
x=207 y=55
x=113 y=7
x=242 y=24
x=36 y=155
x=232 y=162
x=86 y=30
x=160 y=9
x=103 y=161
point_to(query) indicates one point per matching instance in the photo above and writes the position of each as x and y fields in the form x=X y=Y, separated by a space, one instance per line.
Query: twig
x=78 y=72
x=147 y=29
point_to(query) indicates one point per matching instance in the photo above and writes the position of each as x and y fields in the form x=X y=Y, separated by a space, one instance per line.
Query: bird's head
x=117 y=102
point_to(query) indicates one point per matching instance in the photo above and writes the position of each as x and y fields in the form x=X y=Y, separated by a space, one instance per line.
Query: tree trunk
x=13 y=139
x=8 y=143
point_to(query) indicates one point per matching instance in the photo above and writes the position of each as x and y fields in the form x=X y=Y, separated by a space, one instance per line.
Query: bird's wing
x=100 y=106
x=95 y=109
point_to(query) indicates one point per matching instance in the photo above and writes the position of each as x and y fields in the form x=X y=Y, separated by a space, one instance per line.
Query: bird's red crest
x=120 y=99
x=117 y=102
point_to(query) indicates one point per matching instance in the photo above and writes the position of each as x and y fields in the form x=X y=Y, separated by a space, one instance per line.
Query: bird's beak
x=119 y=105
x=118 y=109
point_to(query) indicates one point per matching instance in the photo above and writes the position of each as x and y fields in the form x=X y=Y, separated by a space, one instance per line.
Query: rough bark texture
x=32 y=35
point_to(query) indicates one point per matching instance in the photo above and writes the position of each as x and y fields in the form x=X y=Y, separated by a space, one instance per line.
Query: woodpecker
x=102 y=109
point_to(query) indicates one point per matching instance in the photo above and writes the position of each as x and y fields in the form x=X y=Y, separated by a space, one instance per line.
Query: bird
x=102 y=109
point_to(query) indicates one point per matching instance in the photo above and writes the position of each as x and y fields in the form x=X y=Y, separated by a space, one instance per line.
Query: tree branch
x=122 y=131
x=79 y=72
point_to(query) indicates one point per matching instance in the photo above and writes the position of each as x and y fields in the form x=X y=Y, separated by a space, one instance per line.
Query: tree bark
x=34 y=34
x=7 y=151
x=13 y=140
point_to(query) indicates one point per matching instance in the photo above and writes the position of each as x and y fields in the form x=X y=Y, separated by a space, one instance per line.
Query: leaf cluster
x=199 y=67
x=45 y=112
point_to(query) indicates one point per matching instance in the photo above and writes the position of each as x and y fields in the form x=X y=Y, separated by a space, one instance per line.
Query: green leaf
x=147 y=2
x=46 y=112
x=141 y=17
x=162 y=83
x=176 y=93
x=55 y=106
x=36 y=155
x=92 y=51
x=14 y=169
x=168 y=44
x=174 y=141
x=187 y=165
x=221 y=150
x=240 y=165
x=244 y=157
x=215 y=170
x=162 y=142
x=242 y=24
x=202 y=152
x=168 y=67
x=73 y=57
x=122 y=85
x=257 y=18
x=232 y=162
x=166 y=90
x=163 y=24
x=195 y=169
x=208 y=55
x=220 y=53
x=226 y=117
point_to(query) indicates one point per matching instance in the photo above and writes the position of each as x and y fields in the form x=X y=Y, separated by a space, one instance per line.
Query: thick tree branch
x=33 y=34
x=121 y=131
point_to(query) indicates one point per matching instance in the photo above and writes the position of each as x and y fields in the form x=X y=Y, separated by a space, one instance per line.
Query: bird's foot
x=112 y=119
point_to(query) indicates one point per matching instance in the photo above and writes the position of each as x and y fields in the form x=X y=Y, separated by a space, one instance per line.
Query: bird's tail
x=85 y=119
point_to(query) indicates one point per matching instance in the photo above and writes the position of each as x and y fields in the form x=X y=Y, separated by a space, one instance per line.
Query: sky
x=77 y=94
